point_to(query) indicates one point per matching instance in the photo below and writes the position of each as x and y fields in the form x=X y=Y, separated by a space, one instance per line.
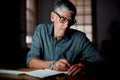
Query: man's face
x=62 y=21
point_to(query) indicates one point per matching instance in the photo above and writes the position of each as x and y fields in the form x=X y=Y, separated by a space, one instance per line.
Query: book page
x=44 y=73
x=14 y=72
x=40 y=73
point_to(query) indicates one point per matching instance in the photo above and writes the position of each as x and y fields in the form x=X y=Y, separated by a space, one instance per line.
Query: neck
x=57 y=37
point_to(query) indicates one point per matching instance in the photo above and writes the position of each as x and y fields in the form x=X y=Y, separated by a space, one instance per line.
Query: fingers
x=65 y=62
x=75 y=69
x=64 y=65
x=61 y=65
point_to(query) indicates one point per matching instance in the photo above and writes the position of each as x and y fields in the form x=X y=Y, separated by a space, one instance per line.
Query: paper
x=11 y=72
x=36 y=73
x=45 y=73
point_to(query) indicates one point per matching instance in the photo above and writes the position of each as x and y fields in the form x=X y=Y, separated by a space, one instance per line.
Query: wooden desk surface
x=57 y=77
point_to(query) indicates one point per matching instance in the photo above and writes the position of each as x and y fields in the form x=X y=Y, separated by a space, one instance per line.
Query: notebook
x=40 y=73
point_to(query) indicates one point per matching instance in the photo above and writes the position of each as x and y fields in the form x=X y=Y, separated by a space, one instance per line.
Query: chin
x=62 y=33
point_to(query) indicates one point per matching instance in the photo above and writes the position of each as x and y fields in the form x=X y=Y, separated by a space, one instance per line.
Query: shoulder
x=77 y=35
x=42 y=27
x=77 y=32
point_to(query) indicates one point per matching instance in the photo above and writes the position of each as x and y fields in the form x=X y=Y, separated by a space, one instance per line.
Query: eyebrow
x=61 y=16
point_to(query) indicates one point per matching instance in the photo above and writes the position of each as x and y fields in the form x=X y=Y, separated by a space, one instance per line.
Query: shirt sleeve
x=89 y=52
x=35 y=46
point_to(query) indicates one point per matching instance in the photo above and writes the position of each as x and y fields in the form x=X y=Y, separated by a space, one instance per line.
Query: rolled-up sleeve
x=90 y=52
x=35 y=46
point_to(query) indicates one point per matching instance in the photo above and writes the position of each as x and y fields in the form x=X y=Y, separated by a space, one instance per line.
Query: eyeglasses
x=64 y=20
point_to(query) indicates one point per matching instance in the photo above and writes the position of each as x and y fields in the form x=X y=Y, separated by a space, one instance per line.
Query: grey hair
x=65 y=4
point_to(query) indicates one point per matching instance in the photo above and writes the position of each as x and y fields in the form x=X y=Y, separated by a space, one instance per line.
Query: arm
x=89 y=60
x=59 y=65
x=87 y=67
x=79 y=68
x=35 y=63
x=33 y=56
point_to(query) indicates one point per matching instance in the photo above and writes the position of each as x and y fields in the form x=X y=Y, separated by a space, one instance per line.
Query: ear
x=52 y=16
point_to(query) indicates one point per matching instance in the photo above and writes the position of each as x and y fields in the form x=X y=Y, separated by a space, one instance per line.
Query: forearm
x=35 y=63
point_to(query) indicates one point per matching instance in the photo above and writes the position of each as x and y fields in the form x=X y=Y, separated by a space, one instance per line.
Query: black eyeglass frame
x=71 y=22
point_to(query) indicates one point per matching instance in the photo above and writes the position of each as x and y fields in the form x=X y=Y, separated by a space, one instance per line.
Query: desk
x=82 y=76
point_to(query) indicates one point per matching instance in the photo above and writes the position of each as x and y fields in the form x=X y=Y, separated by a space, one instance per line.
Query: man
x=56 y=46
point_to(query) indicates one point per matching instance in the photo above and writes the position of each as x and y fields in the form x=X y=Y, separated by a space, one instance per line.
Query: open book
x=36 y=73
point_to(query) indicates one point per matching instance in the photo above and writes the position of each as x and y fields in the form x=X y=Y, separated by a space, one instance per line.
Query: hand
x=61 y=65
x=75 y=69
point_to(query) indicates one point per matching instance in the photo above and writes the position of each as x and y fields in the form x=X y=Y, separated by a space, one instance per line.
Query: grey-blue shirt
x=74 y=46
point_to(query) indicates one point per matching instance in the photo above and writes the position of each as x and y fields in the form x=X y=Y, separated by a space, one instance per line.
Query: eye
x=63 y=19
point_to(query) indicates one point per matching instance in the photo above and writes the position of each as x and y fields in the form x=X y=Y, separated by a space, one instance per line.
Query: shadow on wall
x=22 y=58
x=111 y=47
x=14 y=59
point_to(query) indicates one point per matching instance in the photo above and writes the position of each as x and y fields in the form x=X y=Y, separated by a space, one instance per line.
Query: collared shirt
x=74 y=46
